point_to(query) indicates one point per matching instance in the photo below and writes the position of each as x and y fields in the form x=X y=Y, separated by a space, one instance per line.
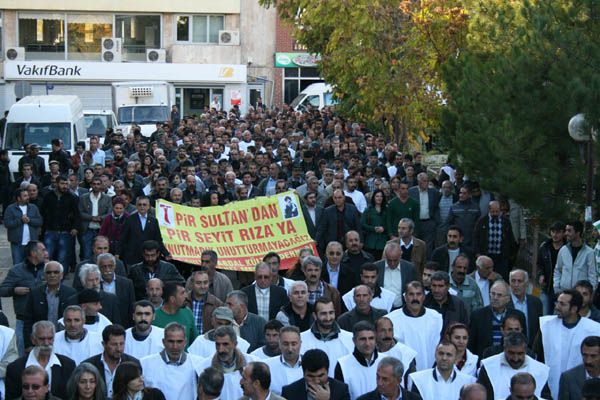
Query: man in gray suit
x=93 y=207
x=23 y=222
x=572 y=381
x=428 y=200
x=394 y=272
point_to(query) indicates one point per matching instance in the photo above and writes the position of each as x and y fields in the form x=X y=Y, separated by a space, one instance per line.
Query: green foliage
x=526 y=70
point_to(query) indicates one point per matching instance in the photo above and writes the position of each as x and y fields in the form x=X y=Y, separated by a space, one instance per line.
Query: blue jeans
x=20 y=338
x=59 y=246
x=18 y=253
x=87 y=240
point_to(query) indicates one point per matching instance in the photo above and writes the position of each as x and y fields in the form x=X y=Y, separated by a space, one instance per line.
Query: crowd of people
x=416 y=291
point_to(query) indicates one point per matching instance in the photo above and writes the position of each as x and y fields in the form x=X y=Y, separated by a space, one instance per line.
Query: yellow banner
x=241 y=232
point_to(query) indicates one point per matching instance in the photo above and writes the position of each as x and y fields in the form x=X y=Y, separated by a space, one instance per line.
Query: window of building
x=199 y=28
x=42 y=35
x=139 y=32
x=296 y=80
x=85 y=33
x=1 y=42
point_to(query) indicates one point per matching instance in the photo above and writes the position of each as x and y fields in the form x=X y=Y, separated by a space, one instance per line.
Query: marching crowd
x=416 y=291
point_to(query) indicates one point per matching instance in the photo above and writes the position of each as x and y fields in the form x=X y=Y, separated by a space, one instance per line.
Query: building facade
x=220 y=49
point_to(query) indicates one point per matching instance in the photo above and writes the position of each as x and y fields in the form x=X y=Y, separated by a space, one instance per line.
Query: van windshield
x=96 y=124
x=297 y=101
x=143 y=114
x=42 y=133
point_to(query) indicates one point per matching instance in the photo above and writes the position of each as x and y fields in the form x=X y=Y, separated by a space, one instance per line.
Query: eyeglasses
x=52 y=272
x=26 y=386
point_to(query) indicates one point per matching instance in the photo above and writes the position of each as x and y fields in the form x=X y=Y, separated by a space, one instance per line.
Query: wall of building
x=180 y=6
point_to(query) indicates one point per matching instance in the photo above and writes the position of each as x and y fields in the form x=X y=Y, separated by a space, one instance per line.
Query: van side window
x=313 y=100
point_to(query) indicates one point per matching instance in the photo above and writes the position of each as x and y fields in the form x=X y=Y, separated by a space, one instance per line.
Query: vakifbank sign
x=98 y=71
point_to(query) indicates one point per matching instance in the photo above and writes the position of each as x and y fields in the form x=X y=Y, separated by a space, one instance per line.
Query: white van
x=98 y=121
x=39 y=119
x=317 y=95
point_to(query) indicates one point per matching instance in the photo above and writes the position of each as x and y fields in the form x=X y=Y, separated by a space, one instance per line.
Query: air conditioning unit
x=112 y=49
x=15 y=54
x=229 y=38
x=156 y=55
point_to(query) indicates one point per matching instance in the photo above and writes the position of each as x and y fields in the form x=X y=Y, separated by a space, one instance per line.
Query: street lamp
x=582 y=133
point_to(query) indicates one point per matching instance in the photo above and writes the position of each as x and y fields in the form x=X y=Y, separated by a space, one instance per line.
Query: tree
x=527 y=68
x=383 y=57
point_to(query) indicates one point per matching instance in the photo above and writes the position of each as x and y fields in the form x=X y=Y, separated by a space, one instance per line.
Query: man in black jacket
x=315 y=382
x=389 y=378
x=61 y=368
x=263 y=292
x=60 y=210
x=113 y=341
x=60 y=155
x=38 y=308
x=451 y=307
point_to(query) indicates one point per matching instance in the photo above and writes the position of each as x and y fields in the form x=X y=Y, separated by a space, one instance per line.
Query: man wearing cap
x=90 y=302
x=50 y=176
x=204 y=345
x=76 y=341
x=61 y=156
x=93 y=207
x=38 y=165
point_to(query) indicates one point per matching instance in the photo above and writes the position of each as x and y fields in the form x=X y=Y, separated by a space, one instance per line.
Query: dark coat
x=60 y=376
x=133 y=237
x=97 y=362
x=481 y=328
x=571 y=382
x=297 y=390
x=78 y=285
x=347 y=279
x=434 y=200
x=125 y=298
x=85 y=208
x=310 y=226
x=454 y=312
x=277 y=298
x=440 y=256
x=480 y=237
x=164 y=271
x=535 y=310
x=109 y=303
x=375 y=395
x=36 y=308
x=14 y=224
x=407 y=271
x=327 y=230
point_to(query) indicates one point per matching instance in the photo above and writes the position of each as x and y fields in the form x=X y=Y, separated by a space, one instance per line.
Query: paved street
x=5 y=264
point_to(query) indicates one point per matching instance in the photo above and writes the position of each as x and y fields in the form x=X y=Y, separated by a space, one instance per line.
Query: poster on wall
x=236 y=97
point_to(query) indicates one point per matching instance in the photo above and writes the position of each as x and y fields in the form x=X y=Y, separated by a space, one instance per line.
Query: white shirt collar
x=32 y=360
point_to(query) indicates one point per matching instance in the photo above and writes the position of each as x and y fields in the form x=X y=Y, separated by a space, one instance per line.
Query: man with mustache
x=387 y=345
x=143 y=339
x=288 y=366
x=496 y=371
x=466 y=287
x=451 y=307
x=572 y=381
x=229 y=360
x=417 y=326
x=172 y=370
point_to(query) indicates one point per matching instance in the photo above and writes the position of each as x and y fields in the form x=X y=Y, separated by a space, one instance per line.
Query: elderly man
x=101 y=245
x=485 y=322
x=154 y=292
x=91 y=277
x=35 y=384
x=228 y=359
x=340 y=276
x=363 y=295
x=312 y=267
x=466 y=288
x=395 y=273
x=298 y=312
x=496 y=371
x=143 y=339
x=288 y=366
x=204 y=345
x=330 y=228
x=118 y=285
x=58 y=367
x=485 y=276
x=389 y=376
x=530 y=306
x=255 y=382
x=173 y=362
x=251 y=325
x=264 y=298
x=522 y=386
x=76 y=341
